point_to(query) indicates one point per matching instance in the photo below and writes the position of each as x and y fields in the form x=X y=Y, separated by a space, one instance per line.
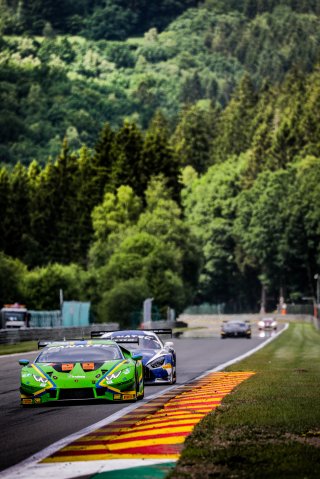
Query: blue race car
x=158 y=358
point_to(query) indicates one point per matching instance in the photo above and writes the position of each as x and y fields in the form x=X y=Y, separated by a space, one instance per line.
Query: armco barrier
x=13 y=336
x=207 y=320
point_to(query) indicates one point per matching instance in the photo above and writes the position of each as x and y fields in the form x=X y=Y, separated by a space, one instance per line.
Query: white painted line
x=73 y=470
x=245 y=355
x=31 y=468
x=16 y=471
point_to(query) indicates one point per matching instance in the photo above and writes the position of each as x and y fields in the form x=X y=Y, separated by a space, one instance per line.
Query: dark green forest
x=178 y=160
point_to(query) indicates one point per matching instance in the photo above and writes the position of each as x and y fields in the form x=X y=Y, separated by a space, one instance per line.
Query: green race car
x=81 y=369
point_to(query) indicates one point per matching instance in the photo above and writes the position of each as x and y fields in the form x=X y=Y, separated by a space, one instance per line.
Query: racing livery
x=158 y=358
x=81 y=369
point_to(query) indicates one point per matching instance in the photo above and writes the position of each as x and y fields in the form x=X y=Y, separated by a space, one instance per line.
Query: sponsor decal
x=67 y=367
x=27 y=401
x=88 y=366
x=126 y=397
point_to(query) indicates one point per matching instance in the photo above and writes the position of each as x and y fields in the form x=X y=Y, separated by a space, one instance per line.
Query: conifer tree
x=68 y=232
x=4 y=208
x=103 y=159
x=235 y=127
x=89 y=185
x=127 y=152
x=18 y=212
x=157 y=155
x=193 y=137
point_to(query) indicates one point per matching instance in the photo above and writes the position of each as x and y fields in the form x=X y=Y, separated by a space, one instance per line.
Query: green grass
x=269 y=426
x=19 y=347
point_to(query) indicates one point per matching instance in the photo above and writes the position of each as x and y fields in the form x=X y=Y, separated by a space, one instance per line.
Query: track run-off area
x=120 y=440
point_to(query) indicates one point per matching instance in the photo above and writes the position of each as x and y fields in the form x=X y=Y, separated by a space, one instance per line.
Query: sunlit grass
x=269 y=426
x=24 y=346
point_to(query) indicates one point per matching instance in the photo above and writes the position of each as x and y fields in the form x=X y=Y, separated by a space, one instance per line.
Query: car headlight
x=157 y=363
x=261 y=323
x=274 y=324
x=41 y=380
x=115 y=375
x=112 y=376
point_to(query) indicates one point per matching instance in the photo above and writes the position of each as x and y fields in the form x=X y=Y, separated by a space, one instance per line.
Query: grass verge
x=269 y=426
x=24 y=346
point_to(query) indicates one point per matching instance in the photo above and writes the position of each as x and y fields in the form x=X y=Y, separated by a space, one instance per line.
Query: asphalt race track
x=25 y=431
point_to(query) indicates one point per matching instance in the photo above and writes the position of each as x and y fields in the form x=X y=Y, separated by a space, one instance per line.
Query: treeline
x=252 y=8
x=96 y=19
x=120 y=19
x=55 y=87
x=215 y=197
x=225 y=206
x=104 y=224
x=39 y=204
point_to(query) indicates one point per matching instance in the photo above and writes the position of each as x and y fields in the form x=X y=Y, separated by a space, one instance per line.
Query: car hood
x=67 y=372
x=49 y=375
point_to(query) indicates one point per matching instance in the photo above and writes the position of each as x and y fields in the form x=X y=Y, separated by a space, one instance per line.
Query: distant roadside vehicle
x=14 y=316
x=236 y=329
x=267 y=324
x=81 y=369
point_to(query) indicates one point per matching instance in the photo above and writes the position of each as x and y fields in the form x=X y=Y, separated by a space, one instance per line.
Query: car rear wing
x=44 y=343
x=160 y=331
x=98 y=334
x=124 y=340
x=119 y=339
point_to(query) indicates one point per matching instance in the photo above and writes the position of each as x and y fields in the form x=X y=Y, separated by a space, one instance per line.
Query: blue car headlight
x=157 y=363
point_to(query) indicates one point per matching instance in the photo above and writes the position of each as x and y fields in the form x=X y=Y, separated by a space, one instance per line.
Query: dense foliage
x=97 y=19
x=56 y=86
x=203 y=183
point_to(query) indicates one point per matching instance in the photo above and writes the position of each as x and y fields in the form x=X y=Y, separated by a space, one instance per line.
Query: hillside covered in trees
x=55 y=85
x=183 y=165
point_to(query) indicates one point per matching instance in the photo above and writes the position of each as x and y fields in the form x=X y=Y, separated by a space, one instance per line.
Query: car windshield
x=145 y=342
x=236 y=323
x=79 y=353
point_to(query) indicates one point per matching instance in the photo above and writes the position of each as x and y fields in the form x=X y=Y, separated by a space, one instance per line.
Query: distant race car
x=236 y=329
x=158 y=358
x=267 y=323
x=81 y=369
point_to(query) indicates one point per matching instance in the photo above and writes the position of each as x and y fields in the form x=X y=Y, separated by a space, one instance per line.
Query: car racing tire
x=137 y=388
x=175 y=372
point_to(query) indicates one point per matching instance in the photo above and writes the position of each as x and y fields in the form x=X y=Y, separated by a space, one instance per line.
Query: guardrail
x=204 y=320
x=13 y=336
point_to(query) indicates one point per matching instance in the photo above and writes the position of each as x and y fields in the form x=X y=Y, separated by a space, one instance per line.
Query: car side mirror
x=137 y=357
x=24 y=362
x=168 y=344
